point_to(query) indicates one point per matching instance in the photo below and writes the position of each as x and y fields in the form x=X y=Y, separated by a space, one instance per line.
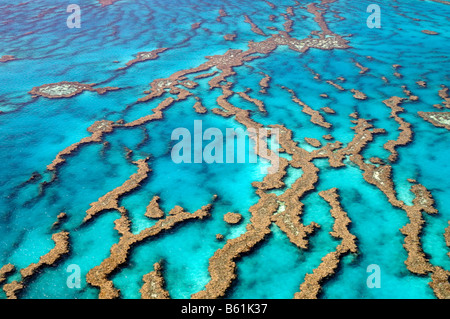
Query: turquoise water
x=34 y=130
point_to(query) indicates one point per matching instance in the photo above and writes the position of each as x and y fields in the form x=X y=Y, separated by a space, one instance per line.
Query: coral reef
x=61 y=248
x=153 y=210
x=313 y=142
x=98 y=276
x=5 y=271
x=406 y=132
x=110 y=200
x=97 y=129
x=144 y=56
x=311 y=287
x=7 y=58
x=438 y=119
x=153 y=287
x=232 y=218
x=66 y=89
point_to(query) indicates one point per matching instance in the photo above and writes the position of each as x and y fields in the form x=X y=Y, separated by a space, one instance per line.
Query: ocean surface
x=34 y=130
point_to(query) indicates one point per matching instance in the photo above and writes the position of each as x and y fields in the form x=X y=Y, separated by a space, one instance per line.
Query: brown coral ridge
x=443 y=93
x=224 y=63
x=222 y=264
x=316 y=117
x=447 y=236
x=290 y=11
x=110 y=200
x=230 y=37
x=376 y=160
x=328 y=110
x=98 y=276
x=61 y=248
x=312 y=285
x=144 y=56
x=288 y=215
x=232 y=218
x=380 y=176
x=358 y=95
x=157 y=112
x=105 y=3
x=363 y=135
x=396 y=73
x=313 y=142
x=288 y=24
x=98 y=129
x=406 y=132
x=264 y=83
x=254 y=28
x=287 y=208
x=199 y=108
x=206 y=75
x=153 y=287
x=59 y=219
x=5 y=271
x=438 y=119
x=270 y=4
x=411 y=96
x=319 y=19
x=416 y=262
x=196 y=25
x=273 y=180
x=258 y=103
x=430 y=32
x=337 y=86
x=153 y=210
x=7 y=58
x=222 y=13
x=66 y=89
x=228 y=61
x=422 y=84
x=362 y=68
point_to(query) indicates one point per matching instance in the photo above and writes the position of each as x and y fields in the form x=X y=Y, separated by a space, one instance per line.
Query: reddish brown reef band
x=438 y=119
x=105 y=3
x=232 y=218
x=61 y=248
x=110 y=200
x=446 y=236
x=312 y=285
x=153 y=287
x=144 y=56
x=406 y=132
x=98 y=276
x=5 y=271
x=98 y=129
x=66 y=89
x=7 y=58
